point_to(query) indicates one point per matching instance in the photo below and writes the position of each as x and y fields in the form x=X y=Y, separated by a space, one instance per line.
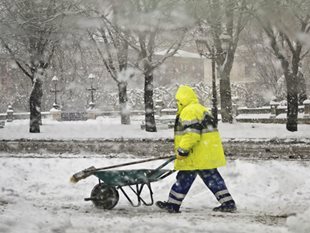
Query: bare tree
x=222 y=21
x=150 y=25
x=287 y=25
x=30 y=34
x=108 y=40
x=302 y=85
x=260 y=62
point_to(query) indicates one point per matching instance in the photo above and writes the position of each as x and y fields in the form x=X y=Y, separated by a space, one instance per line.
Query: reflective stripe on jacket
x=196 y=134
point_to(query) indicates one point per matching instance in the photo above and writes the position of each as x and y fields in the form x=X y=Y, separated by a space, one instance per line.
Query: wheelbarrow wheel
x=104 y=197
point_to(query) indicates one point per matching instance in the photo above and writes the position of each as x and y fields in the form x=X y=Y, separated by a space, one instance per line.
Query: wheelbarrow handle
x=91 y=170
x=161 y=166
x=172 y=157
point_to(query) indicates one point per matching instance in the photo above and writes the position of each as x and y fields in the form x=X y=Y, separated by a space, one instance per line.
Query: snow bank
x=110 y=128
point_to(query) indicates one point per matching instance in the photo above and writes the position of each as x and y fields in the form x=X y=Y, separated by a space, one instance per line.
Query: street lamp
x=225 y=39
x=55 y=80
x=210 y=53
x=91 y=77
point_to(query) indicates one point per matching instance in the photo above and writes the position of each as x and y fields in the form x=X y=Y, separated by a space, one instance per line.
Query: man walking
x=199 y=151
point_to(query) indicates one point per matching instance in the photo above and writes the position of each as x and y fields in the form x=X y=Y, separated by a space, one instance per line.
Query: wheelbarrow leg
x=151 y=195
x=128 y=198
x=138 y=192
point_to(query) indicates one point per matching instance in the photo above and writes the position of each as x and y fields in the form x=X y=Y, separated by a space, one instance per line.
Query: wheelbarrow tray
x=121 y=178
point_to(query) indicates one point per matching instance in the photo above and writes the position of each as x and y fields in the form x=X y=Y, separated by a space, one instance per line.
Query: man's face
x=179 y=105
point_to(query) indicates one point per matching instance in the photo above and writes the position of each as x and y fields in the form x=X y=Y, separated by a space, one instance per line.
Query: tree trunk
x=226 y=104
x=302 y=88
x=150 y=124
x=292 y=102
x=225 y=94
x=35 y=105
x=125 y=113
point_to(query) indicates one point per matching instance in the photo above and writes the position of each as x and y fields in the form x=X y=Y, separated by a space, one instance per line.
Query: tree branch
x=289 y=43
x=120 y=33
x=112 y=72
x=107 y=47
x=6 y=46
x=305 y=54
x=172 y=53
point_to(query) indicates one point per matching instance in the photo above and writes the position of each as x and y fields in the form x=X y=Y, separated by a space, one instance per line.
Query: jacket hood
x=185 y=95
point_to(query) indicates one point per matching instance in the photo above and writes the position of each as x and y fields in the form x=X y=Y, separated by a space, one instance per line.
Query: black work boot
x=169 y=207
x=229 y=207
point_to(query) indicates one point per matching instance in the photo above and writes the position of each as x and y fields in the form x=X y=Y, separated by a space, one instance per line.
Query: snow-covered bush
x=249 y=96
x=75 y=97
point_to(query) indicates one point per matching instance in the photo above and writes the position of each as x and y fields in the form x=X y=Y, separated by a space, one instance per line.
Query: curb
x=234 y=149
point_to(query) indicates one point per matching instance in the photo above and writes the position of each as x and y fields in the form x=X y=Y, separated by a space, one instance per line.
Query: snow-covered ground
x=109 y=128
x=36 y=196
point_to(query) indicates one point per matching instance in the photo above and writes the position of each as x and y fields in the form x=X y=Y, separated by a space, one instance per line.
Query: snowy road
x=36 y=196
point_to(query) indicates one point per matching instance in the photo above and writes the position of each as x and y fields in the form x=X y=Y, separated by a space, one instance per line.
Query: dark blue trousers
x=212 y=179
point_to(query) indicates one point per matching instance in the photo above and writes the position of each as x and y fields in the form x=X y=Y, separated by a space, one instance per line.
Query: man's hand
x=182 y=154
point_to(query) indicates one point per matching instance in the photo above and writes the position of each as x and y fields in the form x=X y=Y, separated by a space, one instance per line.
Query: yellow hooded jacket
x=195 y=134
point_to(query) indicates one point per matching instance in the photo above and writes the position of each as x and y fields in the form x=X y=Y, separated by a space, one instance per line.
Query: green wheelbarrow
x=105 y=194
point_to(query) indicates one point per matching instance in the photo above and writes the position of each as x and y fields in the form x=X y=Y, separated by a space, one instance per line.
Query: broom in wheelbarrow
x=91 y=170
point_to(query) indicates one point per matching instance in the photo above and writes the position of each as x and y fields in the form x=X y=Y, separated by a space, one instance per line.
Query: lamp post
x=210 y=53
x=91 y=77
x=55 y=81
